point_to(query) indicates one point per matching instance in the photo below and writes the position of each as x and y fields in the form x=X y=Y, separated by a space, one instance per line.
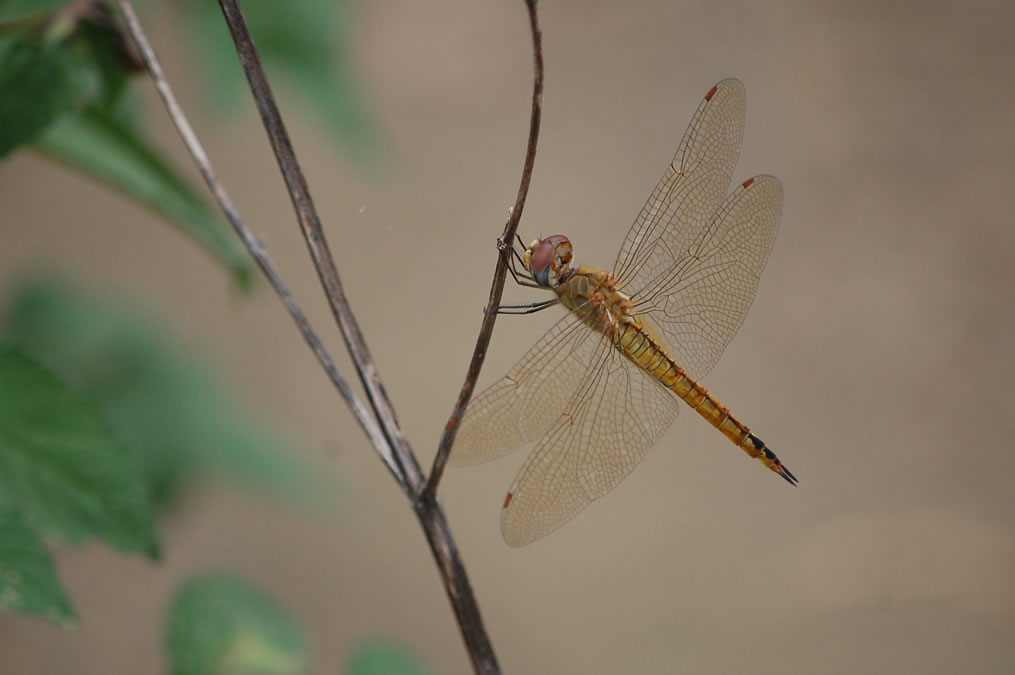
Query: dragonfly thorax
x=592 y=294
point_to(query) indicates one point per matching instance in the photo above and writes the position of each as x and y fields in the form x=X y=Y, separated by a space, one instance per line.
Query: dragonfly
x=601 y=387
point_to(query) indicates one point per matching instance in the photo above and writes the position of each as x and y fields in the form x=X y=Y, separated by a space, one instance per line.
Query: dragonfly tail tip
x=788 y=476
x=770 y=460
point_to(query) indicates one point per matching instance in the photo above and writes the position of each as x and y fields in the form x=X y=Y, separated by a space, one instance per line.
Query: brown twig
x=256 y=248
x=505 y=242
x=317 y=243
x=429 y=512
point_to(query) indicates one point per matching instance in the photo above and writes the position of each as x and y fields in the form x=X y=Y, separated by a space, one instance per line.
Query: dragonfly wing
x=689 y=191
x=700 y=301
x=611 y=420
x=692 y=260
x=519 y=407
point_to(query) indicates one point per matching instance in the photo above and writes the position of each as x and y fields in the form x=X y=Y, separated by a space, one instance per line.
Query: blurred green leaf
x=175 y=421
x=53 y=67
x=62 y=466
x=61 y=86
x=383 y=657
x=334 y=96
x=304 y=41
x=105 y=145
x=37 y=87
x=221 y=624
x=99 y=42
x=15 y=9
x=28 y=581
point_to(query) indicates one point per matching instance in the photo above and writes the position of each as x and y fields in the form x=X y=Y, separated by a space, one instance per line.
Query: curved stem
x=505 y=242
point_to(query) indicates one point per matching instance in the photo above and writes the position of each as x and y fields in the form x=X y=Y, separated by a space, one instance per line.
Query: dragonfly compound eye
x=562 y=251
x=550 y=259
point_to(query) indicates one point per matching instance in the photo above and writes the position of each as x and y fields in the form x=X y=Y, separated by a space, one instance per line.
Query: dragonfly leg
x=530 y=308
x=521 y=277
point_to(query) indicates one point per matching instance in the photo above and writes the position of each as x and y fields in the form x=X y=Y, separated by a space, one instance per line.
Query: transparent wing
x=607 y=427
x=519 y=407
x=690 y=189
x=700 y=301
x=692 y=261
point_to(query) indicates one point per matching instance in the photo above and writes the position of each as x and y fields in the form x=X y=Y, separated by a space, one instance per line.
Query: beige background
x=876 y=359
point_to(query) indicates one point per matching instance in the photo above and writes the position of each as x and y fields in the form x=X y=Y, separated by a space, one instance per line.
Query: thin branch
x=429 y=513
x=313 y=233
x=456 y=585
x=256 y=248
x=500 y=273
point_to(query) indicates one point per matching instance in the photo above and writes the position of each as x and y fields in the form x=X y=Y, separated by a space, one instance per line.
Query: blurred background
x=876 y=359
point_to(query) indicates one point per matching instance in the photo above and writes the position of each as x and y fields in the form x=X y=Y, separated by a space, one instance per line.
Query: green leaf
x=175 y=420
x=306 y=43
x=383 y=657
x=105 y=145
x=221 y=624
x=55 y=69
x=11 y=9
x=37 y=87
x=63 y=89
x=62 y=466
x=28 y=581
x=99 y=41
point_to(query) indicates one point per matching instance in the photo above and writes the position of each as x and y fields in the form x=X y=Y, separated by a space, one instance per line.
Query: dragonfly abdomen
x=639 y=346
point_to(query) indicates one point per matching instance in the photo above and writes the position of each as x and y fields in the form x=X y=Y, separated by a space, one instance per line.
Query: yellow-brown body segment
x=592 y=294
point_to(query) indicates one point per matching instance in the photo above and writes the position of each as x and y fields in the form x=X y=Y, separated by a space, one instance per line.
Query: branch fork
x=379 y=423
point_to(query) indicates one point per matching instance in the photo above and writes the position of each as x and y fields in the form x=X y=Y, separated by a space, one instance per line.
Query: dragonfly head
x=548 y=260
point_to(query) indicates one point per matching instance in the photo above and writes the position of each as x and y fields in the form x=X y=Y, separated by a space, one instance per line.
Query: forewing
x=519 y=407
x=690 y=190
x=700 y=301
x=609 y=423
